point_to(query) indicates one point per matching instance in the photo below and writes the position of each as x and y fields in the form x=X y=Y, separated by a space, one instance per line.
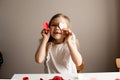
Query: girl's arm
x=75 y=54
x=41 y=52
x=73 y=47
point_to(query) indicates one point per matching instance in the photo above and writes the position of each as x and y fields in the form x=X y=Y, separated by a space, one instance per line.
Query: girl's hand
x=46 y=34
x=68 y=35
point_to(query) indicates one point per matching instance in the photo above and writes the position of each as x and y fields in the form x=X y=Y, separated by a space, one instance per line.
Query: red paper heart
x=57 y=78
x=117 y=79
x=41 y=79
x=45 y=25
x=25 y=78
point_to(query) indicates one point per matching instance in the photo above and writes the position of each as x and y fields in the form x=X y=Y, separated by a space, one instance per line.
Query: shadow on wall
x=114 y=35
x=119 y=26
x=1 y=59
x=118 y=30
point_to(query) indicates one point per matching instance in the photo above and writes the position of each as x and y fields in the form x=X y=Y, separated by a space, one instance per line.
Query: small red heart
x=41 y=79
x=57 y=78
x=117 y=79
x=25 y=78
x=45 y=25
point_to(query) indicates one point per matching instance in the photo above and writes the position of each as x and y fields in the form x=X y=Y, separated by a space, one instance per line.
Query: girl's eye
x=54 y=25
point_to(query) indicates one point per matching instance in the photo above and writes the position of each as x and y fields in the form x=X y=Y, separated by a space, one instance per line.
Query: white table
x=80 y=76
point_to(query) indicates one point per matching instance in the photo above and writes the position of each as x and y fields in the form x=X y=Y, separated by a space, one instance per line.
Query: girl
x=58 y=48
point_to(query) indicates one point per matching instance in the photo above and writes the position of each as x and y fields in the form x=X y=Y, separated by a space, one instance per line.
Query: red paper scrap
x=25 y=78
x=117 y=79
x=57 y=78
x=45 y=25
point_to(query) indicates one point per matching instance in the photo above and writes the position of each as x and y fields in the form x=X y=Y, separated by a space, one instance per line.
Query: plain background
x=96 y=24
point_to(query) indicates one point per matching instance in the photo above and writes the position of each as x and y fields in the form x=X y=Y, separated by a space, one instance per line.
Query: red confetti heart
x=41 y=79
x=25 y=78
x=45 y=25
x=117 y=79
x=57 y=78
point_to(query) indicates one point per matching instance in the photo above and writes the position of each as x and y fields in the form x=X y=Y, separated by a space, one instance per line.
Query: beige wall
x=95 y=22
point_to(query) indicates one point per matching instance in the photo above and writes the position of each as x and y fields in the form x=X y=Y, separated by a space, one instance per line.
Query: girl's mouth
x=57 y=33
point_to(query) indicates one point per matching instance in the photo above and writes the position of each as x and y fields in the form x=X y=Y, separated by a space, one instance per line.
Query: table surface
x=79 y=76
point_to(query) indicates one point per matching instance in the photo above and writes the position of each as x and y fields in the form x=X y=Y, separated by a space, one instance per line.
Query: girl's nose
x=57 y=27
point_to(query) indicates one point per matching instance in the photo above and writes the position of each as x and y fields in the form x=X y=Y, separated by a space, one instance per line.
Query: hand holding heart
x=68 y=34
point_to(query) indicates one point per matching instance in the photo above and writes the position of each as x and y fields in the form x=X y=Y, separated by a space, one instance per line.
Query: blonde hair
x=58 y=15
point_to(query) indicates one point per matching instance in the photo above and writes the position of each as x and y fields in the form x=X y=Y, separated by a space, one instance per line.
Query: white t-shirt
x=58 y=59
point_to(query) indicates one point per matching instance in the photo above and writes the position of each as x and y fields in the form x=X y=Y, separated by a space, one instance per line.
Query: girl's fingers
x=44 y=31
x=67 y=32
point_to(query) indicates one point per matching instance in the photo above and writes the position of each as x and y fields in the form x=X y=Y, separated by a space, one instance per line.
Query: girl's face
x=55 y=31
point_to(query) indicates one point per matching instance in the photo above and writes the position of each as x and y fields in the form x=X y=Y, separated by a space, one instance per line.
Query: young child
x=59 y=47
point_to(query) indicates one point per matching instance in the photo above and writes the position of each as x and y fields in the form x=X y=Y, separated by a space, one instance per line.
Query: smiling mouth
x=57 y=33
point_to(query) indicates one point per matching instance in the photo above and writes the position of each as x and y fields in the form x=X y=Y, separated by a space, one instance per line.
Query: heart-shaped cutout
x=45 y=25
x=62 y=25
